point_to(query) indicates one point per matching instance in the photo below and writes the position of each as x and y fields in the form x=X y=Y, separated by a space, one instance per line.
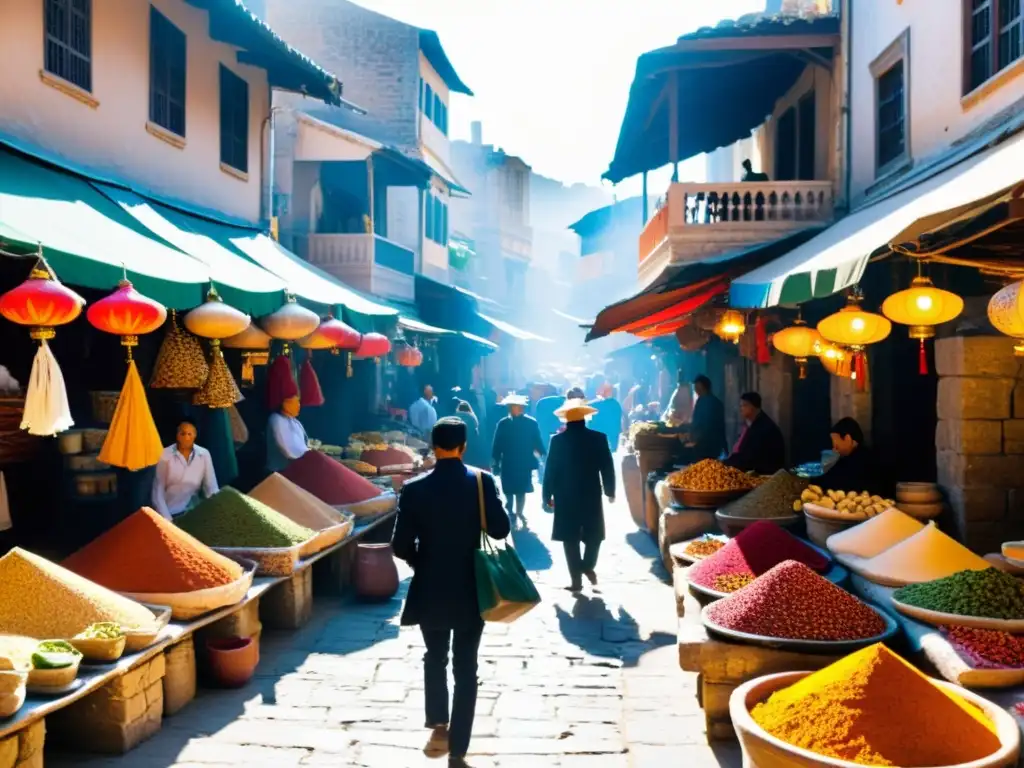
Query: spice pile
x=874 y=708
x=792 y=601
x=986 y=648
x=329 y=480
x=990 y=594
x=876 y=535
x=711 y=475
x=297 y=504
x=146 y=553
x=232 y=519
x=773 y=498
x=927 y=555
x=704 y=546
x=41 y=599
x=756 y=550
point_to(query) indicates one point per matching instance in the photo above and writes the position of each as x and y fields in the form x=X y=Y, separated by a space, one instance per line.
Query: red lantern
x=345 y=337
x=409 y=356
x=128 y=314
x=375 y=345
x=42 y=302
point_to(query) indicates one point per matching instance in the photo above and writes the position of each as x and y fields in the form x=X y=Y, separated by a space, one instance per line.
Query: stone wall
x=980 y=439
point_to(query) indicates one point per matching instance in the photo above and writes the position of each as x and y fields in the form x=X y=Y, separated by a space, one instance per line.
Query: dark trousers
x=580 y=563
x=464 y=644
x=515 y=504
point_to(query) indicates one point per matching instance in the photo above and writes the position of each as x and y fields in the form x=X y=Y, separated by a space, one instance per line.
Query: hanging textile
x=133 y=442
x=239 y=432
x=280 y=382
x=46 y=401
x=309 y=385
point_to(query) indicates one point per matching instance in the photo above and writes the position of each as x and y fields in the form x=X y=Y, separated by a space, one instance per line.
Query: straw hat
x=575 y=410
x=513 y=399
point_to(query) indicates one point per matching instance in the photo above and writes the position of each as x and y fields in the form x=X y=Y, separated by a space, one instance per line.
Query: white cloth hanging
x=46 y=401
x=5 y=506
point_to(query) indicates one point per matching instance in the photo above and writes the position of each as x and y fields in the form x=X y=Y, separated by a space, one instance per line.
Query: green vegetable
x=54 y=654
x=990 y=594
x=103 y=630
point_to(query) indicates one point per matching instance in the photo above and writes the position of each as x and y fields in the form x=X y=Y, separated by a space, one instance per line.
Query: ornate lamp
x=799 y=341
x=215 y=320
x=855 y=329
x=375 y=345
x=1007 y=315
x=128 y=314
x=290 y=322
x=730 y=326
x=922 y=306
x=834 y=359
x=256 y=344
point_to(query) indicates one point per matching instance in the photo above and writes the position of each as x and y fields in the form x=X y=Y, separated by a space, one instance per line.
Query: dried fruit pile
x=711 y=475
x=851 y=503
x=704 y=546
x=986 y=648
x=773 y=498
x=756 y=550
x=794 y=602
x=991 y=594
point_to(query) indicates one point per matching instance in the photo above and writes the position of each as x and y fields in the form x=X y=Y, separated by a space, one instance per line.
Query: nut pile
x=773 y=498
x=704 y=546
x=641 y=428
x=986 y=648
x=711 y=475
x=861 y=504
x=990 y=594
x=792 y=601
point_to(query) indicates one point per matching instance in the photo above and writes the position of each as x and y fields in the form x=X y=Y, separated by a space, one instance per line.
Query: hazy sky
x=551 y=77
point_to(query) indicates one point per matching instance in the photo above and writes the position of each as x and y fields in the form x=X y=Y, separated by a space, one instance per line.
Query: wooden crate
x=289 y=605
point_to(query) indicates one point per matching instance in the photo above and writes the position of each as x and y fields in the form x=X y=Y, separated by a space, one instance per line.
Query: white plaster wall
x=111 y=137
x=938 y=113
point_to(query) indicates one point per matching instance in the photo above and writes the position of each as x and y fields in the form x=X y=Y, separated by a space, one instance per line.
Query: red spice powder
x=329 y=480
x=987 y=648
x=794 y=602
x=757 y=549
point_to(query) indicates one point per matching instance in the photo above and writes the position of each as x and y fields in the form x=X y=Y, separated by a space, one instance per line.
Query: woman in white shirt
x=184 y=471
x=286 y=437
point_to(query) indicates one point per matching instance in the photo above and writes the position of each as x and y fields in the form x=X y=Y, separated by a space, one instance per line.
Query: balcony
x=368 y=263
x=698 y=221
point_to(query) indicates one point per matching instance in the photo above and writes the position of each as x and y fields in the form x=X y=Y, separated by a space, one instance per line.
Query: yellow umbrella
x=132 y=442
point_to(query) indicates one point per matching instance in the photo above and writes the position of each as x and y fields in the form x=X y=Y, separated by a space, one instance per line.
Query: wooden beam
x=673 y=117
x=656 y=105
x=759 y=43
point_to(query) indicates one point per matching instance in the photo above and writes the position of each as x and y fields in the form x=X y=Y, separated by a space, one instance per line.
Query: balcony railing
x=334 y=252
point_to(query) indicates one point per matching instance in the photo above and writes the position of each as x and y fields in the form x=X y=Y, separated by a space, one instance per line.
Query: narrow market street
x=592 y=682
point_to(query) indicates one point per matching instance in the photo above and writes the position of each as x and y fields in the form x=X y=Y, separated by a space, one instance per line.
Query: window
x=992 y=38
x=234 y=120
x=166 y=73
x=785 y=146
x=806 y=136
x=428 y=217
x=428 y=101
x=69 y=40
x=444 y=224
x=436 y=220
x=892 y=105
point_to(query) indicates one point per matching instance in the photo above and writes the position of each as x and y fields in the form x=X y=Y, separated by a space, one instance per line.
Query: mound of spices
x=711 y=475
x=756 y=550
x=927 y=555
x=794 y=602
x=704 y=546
x=147 y=553
x=874 y=708
x=233 y=519
x=297 y=504
x=990 y=594
x=986 y=648
x=876 y=535
x=329 y=480
x=773 y=498
x=41 y=599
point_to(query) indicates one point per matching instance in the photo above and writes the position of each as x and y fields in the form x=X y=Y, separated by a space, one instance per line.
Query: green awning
x=87 y=238
x=241 y=283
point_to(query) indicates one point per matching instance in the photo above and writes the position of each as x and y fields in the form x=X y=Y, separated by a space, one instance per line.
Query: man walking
x=579 y=467
x=422 y=413
x=437 y=533
x=515 y=453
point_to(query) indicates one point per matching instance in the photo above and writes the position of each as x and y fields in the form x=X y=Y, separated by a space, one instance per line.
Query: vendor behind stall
x=286 y=437
x=184 y=474
x=761 y=447
x=706 y=438
x=857 y=468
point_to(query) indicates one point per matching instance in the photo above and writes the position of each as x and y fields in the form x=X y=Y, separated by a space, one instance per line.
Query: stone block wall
x=980 y=439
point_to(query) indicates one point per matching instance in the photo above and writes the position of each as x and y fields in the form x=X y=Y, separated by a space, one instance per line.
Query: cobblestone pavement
x=587 y=682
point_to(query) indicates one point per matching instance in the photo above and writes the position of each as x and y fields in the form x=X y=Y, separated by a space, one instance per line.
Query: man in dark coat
x=547 y=422
x=517 y=447
x=437 y=532
x=761 y=447
x=579 y=467
x=707 y=427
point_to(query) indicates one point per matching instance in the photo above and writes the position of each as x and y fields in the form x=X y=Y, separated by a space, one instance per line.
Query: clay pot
x=376 y=575
x=232 y=660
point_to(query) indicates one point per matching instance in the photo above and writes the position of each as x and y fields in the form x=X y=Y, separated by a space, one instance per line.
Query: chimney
x=476 y=131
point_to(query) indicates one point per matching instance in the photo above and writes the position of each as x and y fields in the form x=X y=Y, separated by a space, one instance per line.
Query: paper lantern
x=291 y=322
x=409 y=356
x=855 y=329
x=373 y=345
x=213 y=319
x=730 y=326
x=834 y=359
x=922 y=306
x=128 y=314
x=800 y=342
x=1007 y=315
x=251 y=338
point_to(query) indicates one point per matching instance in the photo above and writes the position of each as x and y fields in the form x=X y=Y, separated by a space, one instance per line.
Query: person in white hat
x=579 y=468
x=515 y=453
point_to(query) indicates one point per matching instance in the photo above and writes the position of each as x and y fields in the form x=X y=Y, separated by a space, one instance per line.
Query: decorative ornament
x=256 y=346
x=855 y=329
x=219 y=390
x=310 y=393
x=128 y=314
x=409 y=356
x=42 y=302
x=764 y=354
x=180 y=363
x=291 y=321
x=922 y=306
x=336 y=336
x=375 y=345
x=730 y=326
x=800 y=342
x=213 y=319
x=691 y=338
x=834 y=359
x=1006 y=313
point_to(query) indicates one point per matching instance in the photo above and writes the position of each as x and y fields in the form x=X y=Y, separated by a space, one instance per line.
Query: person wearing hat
x=579 y=468
x=515 y=453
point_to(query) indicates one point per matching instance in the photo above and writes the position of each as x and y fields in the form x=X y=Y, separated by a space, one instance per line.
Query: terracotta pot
x=232 y=660
x=376 y=576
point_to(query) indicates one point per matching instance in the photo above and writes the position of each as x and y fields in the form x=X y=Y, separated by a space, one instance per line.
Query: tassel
x=280 y=382
x=132 y=442
x=220 y=389
x=764 y=355
x=922 y=360
x=46 y=401
x=309 y=384
x=860 y=371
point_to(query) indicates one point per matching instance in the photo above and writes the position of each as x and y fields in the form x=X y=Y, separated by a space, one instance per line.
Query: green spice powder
x=991 y=594
x=232 y=519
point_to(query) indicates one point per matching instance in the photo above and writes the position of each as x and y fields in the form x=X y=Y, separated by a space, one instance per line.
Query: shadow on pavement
x=594 y=628
x=532 y=551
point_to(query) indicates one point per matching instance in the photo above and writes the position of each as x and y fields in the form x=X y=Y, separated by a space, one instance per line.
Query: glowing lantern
x=213 y=319
x=291 y=322
x=336 y=336
x=373 y=345
x=730 y=326
x=799 y=341
x=834 y=359
x=128 y=314
x=855 y=329
x=922 y=306
x=1007 y=315
x=42 y=302
x=409 y=356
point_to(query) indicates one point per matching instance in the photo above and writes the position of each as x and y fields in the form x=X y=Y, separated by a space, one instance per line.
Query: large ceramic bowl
x=705 y=499
x=762 y=750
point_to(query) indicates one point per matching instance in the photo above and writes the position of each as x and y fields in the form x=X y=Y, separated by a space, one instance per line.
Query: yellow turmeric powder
x=874 y=708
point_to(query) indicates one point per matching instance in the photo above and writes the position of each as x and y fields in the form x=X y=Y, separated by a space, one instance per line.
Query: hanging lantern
x=922 y=306
x=213 y=319
x=219 y=390
x=180 y=363
x=290 y=322
x=799 y=341
x=336 y=336
x=1006 y=314
x=128 y=314
x=730 y=326
x=42 y=302
x=409 y=356
x=834 y=359
x=691 y=338
x=256 y=344
x=375 y=345
x=855 y=329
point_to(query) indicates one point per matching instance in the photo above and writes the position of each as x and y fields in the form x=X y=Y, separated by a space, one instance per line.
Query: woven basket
x=103 y=406
x=188 y=605
x=328 y=537
x=270 y=561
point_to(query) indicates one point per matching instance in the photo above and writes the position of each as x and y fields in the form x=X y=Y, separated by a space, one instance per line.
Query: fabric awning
x=418 y=326
x=836 y=258
x=445 y=174
x=513 y=331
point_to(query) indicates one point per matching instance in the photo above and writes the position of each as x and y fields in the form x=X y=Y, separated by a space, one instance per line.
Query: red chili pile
x=757 y=549
x=986 y=648
x=331 y=482
x=794 y=602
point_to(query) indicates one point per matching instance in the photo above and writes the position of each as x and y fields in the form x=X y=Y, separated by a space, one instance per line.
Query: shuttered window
x=166 y=73
x=68 y=52
x=234 y=120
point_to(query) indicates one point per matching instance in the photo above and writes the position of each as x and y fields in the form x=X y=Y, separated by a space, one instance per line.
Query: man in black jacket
x=437 y=533
x=579 y=466
x=761 y=447
x=707 y=427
